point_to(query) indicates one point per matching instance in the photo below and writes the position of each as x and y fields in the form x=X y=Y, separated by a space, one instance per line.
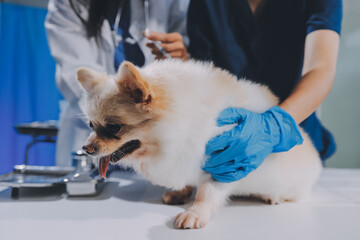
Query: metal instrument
x=82 y=179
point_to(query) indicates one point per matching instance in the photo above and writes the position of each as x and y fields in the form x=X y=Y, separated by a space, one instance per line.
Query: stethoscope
x=114 y=33
x=117 y=39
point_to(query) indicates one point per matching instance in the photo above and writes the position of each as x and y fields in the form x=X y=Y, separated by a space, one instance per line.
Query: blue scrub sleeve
x=199 y=31
x=323 y=14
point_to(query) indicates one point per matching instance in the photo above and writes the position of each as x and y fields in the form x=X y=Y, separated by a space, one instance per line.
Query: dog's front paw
x=190 y=219
x=178 y=197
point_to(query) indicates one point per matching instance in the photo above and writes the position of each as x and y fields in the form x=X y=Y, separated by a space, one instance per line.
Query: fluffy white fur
x=197 y=92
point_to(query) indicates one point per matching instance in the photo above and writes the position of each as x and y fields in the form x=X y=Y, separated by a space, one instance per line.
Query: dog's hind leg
x=209 y=197
x=177 y=197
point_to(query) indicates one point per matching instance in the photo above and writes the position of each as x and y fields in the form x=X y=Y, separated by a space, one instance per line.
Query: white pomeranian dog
x=158 y=120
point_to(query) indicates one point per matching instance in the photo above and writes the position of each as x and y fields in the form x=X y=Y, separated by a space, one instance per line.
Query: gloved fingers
x=223 y=140
x=234 y=173
x=232 y=115
x=216 y=165
x=215 y=146
x=231 y=176
x=226 y=155
x=227 y=159
x=235 y=169
x=236 y=151
x=218 y=143
x=224 y=167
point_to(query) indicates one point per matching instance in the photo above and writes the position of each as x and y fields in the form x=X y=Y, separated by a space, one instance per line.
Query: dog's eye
x=91 y=125
x=113 y=128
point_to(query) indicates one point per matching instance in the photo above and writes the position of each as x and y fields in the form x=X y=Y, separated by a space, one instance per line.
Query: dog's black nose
x=90 y=149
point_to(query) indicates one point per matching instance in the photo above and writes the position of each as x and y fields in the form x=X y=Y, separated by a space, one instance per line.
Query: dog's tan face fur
x=120 y=111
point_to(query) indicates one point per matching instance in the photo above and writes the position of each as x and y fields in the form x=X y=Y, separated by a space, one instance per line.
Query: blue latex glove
x=236 y=153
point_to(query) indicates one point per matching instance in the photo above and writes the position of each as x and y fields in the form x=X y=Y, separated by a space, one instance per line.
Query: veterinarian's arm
x=321 y=51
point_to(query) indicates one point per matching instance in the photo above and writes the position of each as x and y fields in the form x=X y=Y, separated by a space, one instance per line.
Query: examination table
x=129 y=207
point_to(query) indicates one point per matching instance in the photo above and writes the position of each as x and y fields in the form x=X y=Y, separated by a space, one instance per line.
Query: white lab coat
x=71 y=50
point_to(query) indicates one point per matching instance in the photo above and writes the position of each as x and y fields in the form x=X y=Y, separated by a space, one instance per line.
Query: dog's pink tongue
x=103 y=165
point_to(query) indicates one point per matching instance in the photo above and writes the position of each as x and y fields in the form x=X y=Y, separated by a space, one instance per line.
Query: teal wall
x=341 y=110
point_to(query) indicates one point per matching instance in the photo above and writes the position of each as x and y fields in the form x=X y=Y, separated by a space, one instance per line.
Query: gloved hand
x=236 y=153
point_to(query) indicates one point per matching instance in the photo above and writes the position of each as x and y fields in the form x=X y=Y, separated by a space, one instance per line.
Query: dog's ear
x=89 y=79
x=130 y=82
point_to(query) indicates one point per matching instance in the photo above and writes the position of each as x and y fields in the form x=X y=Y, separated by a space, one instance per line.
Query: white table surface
x=130 y=208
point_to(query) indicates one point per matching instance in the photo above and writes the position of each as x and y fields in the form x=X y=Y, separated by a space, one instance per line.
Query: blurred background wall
x=28 y=91
x=341 y=109
x=27 y=74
